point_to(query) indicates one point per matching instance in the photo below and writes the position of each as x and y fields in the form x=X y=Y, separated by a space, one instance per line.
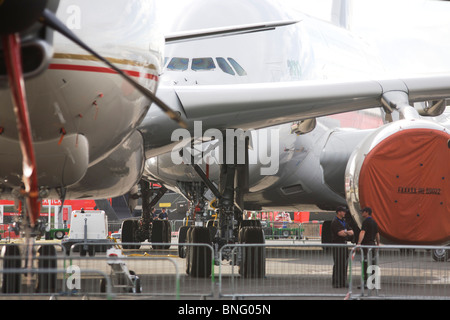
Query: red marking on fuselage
x=72 y=67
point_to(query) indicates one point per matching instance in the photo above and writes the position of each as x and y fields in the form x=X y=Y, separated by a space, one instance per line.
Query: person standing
x=341 y=232
x=163 y=214
x=369 y=236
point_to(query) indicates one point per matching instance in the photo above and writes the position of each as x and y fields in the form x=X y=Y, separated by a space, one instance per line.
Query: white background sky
x=403 y=30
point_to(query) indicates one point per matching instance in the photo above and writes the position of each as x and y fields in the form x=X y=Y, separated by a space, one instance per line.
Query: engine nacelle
x=402 y=171
x=113 y=176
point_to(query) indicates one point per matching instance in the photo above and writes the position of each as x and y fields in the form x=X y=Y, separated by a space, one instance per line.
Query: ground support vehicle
x=88 y=231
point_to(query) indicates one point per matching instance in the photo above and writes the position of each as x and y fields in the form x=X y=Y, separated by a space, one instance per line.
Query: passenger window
x=200 y=64
x=240 y=71
x=223 y=64
x=178 y=64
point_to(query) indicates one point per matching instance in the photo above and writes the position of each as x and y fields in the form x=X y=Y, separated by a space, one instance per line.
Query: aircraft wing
x=253 y=106
x=287 y=101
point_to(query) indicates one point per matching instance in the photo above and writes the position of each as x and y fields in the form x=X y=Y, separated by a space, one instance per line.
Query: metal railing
x=400 y=272
x=291 y=270
x=270 y=270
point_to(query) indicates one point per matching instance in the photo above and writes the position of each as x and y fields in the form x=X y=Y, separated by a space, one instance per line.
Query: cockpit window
x=223 y=64
x=228 y=65
x=178 y=64
x=201 y=64
x=240 y=71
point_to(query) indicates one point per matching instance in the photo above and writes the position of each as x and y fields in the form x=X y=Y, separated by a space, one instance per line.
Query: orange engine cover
x=405 y=178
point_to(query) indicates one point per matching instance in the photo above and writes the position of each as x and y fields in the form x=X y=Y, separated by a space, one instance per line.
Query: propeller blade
x=13 y=61
x=49 y=19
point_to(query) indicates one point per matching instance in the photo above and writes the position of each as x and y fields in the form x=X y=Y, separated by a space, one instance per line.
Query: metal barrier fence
x=291 y=270
x=311 y=230
x=270 y=270
x=293 y=230
x=400 y=272
x=150 y=271
x=160 y=270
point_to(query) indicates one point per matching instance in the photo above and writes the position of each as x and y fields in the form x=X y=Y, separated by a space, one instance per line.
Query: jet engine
x=402 y=172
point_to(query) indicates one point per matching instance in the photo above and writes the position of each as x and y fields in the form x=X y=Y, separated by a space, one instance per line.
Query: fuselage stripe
x=71 y=67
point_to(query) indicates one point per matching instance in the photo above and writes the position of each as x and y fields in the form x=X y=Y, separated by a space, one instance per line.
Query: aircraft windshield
x=202 y=64
x=223 y=64
x=227 y=65
x=237 y=67
x=179 y=64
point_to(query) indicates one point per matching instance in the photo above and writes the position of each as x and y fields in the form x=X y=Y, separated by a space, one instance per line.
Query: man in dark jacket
x=341 y=232
x=369 y=236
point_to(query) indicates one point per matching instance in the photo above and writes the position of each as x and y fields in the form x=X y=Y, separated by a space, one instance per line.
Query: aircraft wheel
x=188 y=248
x=11 y=260
x=91 y=251
x=168 y=234
x=161 y=233
x=128 y=231
x=46 y=282
x=198 y=258
x=250 y=223
x=182 y=235
x=253 y=264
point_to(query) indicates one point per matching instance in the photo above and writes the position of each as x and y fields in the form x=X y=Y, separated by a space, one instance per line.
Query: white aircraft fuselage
x=84 y=116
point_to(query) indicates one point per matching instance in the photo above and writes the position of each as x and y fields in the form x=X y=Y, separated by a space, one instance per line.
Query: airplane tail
x=341 y=13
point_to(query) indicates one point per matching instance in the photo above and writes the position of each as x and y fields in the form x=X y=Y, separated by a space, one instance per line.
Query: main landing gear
x=230 y=229
x=147 y=228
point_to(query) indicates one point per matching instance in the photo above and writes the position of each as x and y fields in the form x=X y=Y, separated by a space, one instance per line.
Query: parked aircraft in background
x=390 y=155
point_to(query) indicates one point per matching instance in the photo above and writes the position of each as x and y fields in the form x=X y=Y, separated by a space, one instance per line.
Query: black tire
x=198 y=258
x=161 y=233
x=158 y=233
x=11 y=260
x=46 y=282
x=250 y=223
x=128 y=234
x=182 y=235
x=168 y=234
x=253 y=264
x=91 y=251
x=188 y=249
